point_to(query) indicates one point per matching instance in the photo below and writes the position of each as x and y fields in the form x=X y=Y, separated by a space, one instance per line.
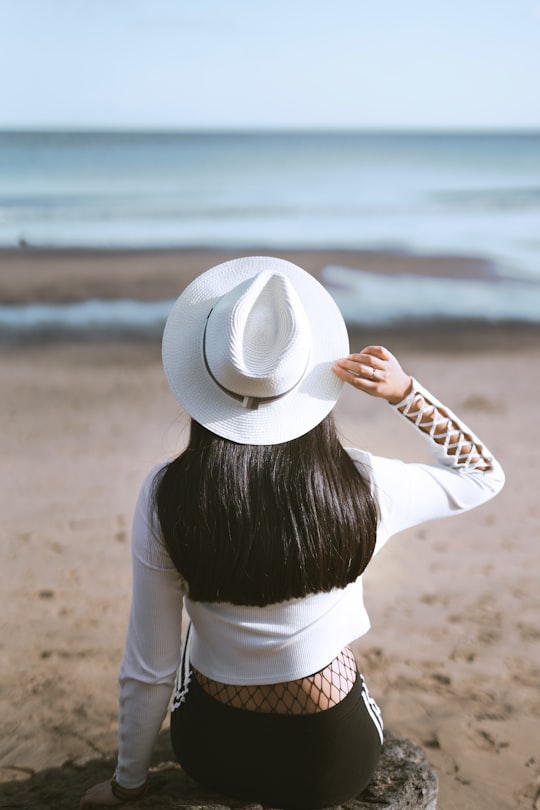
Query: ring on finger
x=373 y=372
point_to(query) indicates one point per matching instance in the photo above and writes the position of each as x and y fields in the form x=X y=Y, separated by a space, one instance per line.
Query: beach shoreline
x=73 y=274
x=452 y=656
x=65 y=276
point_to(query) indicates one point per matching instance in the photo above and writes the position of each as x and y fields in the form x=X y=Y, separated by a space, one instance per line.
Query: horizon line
x=273 y=129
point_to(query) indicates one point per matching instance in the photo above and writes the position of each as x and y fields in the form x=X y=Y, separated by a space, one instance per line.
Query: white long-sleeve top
x=254 y=645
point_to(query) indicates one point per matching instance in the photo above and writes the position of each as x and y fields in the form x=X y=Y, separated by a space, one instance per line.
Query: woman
x=261 y=529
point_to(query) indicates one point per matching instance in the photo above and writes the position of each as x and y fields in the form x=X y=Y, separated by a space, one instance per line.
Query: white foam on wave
x=376 y=299
x=366 y=299
x=95 y=316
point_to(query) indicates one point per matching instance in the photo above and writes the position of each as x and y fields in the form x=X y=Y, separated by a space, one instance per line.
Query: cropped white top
x=289 y=640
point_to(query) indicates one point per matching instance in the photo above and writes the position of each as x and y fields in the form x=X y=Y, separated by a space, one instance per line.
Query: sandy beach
x=453 y=656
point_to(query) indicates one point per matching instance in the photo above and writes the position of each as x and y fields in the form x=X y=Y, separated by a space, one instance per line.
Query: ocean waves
x=441 y=193
x=369 y=299
x=93 y=319
x=365 y=299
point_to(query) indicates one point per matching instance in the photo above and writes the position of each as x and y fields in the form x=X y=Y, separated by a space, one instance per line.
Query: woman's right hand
x=376 y=372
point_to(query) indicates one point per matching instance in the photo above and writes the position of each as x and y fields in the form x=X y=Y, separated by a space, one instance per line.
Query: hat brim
x=273 y=422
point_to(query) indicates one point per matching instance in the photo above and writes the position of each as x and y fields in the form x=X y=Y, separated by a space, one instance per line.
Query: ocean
x=448 y=194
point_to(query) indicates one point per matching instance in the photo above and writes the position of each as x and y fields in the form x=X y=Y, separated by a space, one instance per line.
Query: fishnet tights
x=445 y=430
x=308 y=695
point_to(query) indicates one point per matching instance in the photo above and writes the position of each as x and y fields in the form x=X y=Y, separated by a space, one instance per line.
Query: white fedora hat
x=248 y=350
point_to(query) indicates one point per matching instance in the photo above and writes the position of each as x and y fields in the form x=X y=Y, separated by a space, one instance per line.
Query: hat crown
x=265 y=328
x=257 y=338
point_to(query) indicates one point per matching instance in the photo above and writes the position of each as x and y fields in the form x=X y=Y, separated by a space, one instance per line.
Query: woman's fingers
x=375 y=371
x=368 y=364
x=357 y=366
x=357 y=373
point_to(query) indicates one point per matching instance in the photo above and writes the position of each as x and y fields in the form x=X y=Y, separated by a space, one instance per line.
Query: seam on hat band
x=247 y=402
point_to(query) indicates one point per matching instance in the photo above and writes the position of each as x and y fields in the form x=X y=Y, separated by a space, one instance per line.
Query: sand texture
x=453 y=656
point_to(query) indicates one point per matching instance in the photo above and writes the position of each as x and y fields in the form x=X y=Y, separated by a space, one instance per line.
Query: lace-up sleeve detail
x=465 y=475
x=460 y=447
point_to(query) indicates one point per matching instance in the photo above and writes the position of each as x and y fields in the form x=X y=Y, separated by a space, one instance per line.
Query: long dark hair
x=259 y=524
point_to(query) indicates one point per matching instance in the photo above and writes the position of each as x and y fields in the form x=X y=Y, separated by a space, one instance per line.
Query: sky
x=237 y=64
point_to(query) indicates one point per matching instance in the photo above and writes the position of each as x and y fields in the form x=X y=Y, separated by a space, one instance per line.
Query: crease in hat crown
x=257 y=338
x=318 y=336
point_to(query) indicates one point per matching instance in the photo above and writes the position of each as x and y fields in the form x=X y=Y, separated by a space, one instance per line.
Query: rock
x=404 y=780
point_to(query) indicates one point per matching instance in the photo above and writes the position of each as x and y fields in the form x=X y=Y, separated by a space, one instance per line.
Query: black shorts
x=291 y=761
